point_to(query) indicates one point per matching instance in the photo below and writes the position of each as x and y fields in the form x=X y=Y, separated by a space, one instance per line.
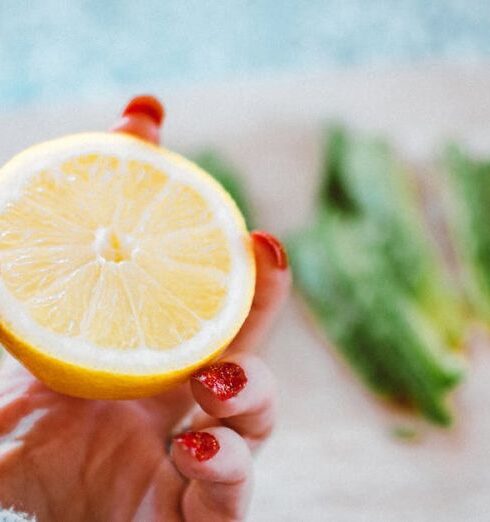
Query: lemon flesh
x=123 y=266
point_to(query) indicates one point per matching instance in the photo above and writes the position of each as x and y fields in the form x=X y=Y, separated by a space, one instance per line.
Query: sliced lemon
x=123 y=266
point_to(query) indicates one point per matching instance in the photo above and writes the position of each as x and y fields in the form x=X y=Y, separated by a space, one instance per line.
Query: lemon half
x=123 y=266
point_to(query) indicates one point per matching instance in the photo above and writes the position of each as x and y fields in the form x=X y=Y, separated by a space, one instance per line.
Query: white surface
x=332 y=457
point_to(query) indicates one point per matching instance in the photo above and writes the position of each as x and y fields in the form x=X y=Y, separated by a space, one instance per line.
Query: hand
x=66 y=459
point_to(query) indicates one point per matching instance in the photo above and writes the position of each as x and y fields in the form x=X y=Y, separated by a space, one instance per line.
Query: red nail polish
x=225 y=379
x=202 y=445
x=274 y=245
x=148 y=105
x=142 y=117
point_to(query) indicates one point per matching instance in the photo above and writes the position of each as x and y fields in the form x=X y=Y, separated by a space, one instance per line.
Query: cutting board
x=334 y=456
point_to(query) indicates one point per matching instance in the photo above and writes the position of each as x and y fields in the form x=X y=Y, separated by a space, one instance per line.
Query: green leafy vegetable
x=468 y=195
x=369 y=273
x=231 y=181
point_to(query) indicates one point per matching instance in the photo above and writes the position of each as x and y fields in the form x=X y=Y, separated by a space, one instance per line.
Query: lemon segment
x=123 y=266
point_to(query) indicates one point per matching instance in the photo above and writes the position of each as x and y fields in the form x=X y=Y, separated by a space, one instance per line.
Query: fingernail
x=200 y=444
x=142 y=117
x=275 y=247
x=148 y=105
x=225 y=379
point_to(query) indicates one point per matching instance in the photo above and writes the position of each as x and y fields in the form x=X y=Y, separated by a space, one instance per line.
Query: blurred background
x=258 y=82
x=56 y=50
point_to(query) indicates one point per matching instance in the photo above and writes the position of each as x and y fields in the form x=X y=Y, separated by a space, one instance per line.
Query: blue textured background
x=52 y=49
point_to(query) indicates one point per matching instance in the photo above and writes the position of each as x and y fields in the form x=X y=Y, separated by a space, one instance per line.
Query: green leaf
x=468 y=196
x=385 y=196
x=371 y=277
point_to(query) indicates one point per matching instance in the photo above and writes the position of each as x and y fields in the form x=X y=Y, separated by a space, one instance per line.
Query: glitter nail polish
x=224 y=379
x=201 y=444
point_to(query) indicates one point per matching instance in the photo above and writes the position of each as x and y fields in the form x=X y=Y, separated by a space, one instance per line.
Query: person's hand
x=65 y=459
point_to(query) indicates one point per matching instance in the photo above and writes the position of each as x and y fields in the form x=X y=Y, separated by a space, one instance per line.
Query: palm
x=104 y=459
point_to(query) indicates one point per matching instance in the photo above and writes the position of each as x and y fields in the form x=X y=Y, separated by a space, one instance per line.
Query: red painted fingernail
x=142 y=117
x=225 y=379
x=275 y=247
x=148 y=105
x=201 y=444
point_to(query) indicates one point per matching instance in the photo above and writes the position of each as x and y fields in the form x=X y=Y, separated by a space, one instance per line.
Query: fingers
x=239 y=393
x=271 y=290
x=218 y=464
